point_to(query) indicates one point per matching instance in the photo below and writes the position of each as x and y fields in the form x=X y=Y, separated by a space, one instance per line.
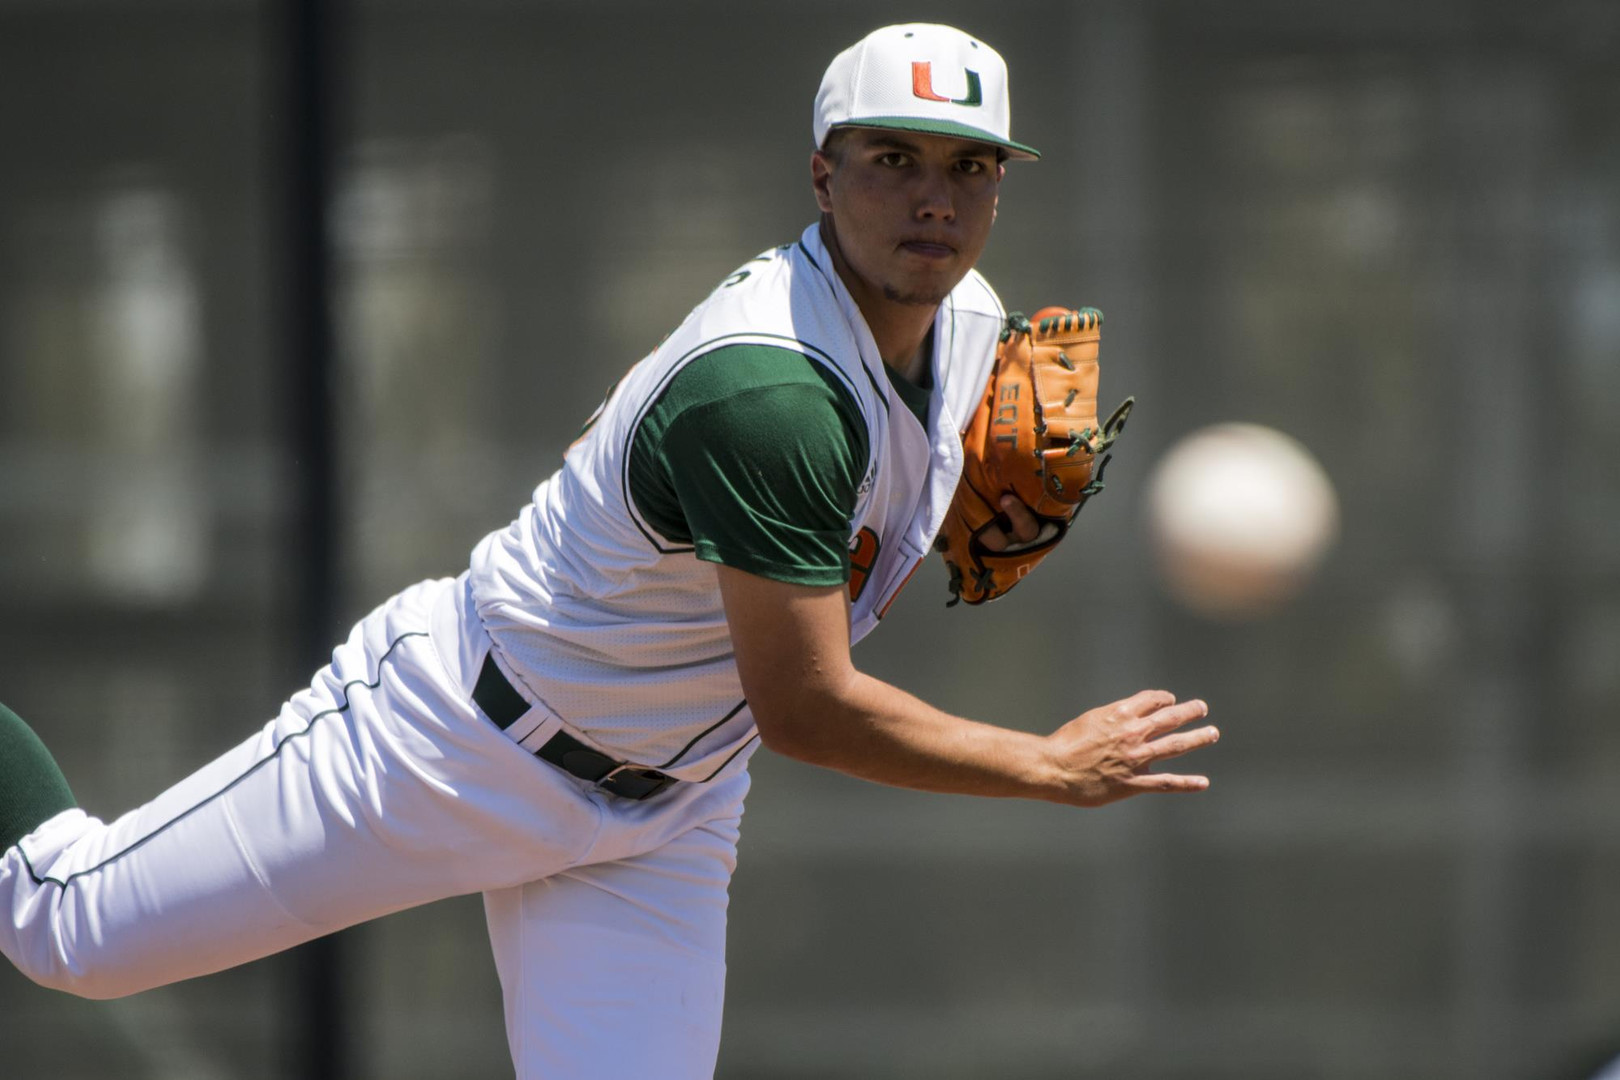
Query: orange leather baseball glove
x=1034 y=435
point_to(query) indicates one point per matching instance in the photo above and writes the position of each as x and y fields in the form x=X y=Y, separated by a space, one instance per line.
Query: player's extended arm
x=810 y=702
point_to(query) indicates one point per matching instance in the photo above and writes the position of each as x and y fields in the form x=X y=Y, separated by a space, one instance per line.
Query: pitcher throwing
x=566 y=726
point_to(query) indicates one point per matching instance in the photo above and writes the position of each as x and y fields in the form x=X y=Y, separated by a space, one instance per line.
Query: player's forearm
x=811 y=703
x=870 y=729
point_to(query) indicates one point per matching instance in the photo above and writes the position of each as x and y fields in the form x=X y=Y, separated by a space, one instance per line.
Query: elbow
x=804 y=731
x=809 y=713
x=779 y=731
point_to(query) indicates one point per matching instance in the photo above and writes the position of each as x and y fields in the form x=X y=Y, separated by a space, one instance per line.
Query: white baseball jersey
x=619 y=634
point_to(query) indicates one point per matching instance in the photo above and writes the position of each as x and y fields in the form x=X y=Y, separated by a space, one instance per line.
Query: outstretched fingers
x=1167 y=782
x=1183 y=742
x=1147 y=702
x=1165 y=742
x=1110 y=752
x=1172 y=716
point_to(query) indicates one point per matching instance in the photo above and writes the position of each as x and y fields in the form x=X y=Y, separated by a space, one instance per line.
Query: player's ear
x=821 y=170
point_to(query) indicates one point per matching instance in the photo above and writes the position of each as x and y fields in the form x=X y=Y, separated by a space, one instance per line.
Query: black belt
x=504 y=705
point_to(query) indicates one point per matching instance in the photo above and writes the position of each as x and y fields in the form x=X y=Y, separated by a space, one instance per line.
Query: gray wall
x=1392 y=229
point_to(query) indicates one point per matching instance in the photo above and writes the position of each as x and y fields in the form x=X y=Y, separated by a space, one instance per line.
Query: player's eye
x=972 y=166
x=894 y=159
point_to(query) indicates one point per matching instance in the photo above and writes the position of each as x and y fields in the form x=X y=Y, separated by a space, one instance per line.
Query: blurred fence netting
x=1389 y=229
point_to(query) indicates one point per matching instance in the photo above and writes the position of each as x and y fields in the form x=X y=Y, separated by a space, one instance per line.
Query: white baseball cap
x=919 y=77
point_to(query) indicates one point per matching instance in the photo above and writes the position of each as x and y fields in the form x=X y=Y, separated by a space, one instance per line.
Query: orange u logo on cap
x=922 y=85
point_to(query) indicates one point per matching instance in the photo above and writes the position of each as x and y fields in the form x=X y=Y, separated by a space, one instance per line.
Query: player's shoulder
x=754 y=295
x=759 y=269
x=779 y=297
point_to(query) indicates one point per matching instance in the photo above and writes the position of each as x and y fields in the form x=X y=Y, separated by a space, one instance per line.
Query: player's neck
x=902 y=342
x=913 y=366
x=899 y=329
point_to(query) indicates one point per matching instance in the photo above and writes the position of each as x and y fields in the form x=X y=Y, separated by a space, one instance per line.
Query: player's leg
x=377 y=788
x=618 y=968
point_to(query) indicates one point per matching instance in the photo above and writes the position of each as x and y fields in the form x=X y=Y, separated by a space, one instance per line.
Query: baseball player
x=566 y=726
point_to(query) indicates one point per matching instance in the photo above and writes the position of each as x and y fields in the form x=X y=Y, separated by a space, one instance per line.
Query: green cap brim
x=925 y=126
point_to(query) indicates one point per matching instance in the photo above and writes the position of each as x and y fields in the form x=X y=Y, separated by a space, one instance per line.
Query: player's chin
x=916 y=299
x=921 y=293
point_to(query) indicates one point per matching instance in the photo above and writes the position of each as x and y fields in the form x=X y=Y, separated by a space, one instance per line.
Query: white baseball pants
x=381 y=787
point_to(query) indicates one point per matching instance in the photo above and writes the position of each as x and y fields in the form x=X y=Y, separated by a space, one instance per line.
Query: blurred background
x=1390 y=229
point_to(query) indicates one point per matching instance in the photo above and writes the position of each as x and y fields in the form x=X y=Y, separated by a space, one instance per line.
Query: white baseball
x=1240 y=516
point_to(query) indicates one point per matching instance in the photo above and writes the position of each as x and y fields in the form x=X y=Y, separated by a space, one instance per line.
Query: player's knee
x=80 y=981
x=47 y=957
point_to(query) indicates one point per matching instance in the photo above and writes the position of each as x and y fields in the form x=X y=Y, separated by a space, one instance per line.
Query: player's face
x=909 y=213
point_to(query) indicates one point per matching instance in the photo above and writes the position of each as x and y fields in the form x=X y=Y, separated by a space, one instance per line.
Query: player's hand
x=1016 y=527
x=1108 y=754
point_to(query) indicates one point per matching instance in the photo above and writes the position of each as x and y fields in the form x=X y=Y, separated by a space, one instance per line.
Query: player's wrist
x=1051 y=775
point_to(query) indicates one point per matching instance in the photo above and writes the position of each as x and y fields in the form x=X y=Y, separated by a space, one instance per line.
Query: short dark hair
x=833 y=144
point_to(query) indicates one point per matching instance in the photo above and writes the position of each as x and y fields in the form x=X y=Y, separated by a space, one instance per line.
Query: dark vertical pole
x=306 y=34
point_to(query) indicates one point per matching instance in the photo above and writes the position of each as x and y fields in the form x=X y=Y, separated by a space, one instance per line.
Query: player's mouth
x=928 y=249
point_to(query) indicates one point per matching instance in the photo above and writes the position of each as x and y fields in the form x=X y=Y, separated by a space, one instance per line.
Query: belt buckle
x=633 y=782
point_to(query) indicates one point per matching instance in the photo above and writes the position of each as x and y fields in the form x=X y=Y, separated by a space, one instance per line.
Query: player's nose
x=933 y=196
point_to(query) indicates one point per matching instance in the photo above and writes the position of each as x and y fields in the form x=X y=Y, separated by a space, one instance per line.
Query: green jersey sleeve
x=753 y=455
